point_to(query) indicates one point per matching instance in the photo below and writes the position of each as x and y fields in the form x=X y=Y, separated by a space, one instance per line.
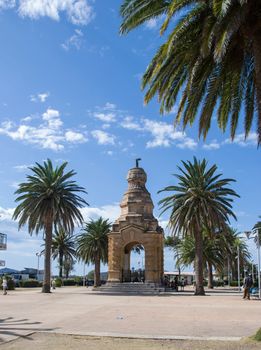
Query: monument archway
x=136 y=225
x=134 y=263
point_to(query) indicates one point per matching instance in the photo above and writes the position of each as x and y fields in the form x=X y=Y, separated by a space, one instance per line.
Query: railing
x=3 y=241
x=133 y=276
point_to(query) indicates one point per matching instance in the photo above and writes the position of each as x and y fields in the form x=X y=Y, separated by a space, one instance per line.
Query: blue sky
x=70 y=90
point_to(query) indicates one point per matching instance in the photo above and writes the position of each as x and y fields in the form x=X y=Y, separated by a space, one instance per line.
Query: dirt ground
x=52 y=341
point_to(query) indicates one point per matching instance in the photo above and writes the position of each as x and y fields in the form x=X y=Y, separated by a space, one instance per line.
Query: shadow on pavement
x=13 y=327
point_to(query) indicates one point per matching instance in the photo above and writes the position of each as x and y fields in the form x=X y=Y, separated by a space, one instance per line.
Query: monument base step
x=134 y=288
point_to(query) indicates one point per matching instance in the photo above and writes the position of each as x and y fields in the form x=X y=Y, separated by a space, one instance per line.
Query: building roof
x=182 y=273
x=6 y=270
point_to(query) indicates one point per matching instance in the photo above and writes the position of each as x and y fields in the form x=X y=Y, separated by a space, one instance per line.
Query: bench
x=254 y=292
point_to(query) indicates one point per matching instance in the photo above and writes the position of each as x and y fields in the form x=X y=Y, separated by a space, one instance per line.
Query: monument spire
x=136 y=226
x=137 y=162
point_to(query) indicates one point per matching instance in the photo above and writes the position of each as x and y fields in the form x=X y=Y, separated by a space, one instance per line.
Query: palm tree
x=48 y=199
x=257 y=227
x=92 y=245
x=201 y=200
x=212 y=56
x=212 y=253
x=232 y=243
x=68 y=265
x=172 y=242
x=63 y=248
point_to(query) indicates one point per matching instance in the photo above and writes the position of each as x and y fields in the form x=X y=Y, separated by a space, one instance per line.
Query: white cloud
x=6 y=214
x=27 y=119
x=103 y=138
x=109 y=106
x=241 y=214
x=100 y=50
x=129 y=123
x=106 y=126
x=160 y=134
x=213 y=145
x=22 y=167
x=163 y=224
x=151 y=23
x=42 y=97
x=48 y=135
x=75 y=137
x=188 y=143
x=52 y=116
x=74 y=41
x=241 y=141
x=14 y=184
x=79 y=12
x=111 y=212
x=105 y=117
x=7 y=4
x=164 y=135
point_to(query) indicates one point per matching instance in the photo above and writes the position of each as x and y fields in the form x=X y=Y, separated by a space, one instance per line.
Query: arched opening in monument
x=134 y=263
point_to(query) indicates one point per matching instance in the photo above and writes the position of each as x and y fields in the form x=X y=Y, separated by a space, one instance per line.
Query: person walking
x=4 y=285
x=53 y=283
x=248 y=282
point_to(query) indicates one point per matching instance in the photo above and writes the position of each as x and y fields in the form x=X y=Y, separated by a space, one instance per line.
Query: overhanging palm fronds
x=212 y=57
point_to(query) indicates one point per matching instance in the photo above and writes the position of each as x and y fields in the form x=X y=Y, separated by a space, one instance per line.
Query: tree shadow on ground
x=13 y=327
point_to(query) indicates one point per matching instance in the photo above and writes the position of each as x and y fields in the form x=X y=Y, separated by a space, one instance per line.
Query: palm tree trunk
x=210 y=275
x=257 y=57
x=97 y=279
x=199 y=263
x=47 y=258
x=61 y=265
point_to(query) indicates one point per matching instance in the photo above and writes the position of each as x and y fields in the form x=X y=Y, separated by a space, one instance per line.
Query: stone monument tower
x=136 y=226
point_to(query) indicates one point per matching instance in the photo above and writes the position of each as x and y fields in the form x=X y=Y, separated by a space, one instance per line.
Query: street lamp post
x=257 y=241
x=258 y=257
x=238 y=268
x=38 y=254
x=228 y=273
x=83 y=277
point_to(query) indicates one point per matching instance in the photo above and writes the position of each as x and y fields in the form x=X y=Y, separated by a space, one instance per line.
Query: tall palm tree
x=63 y=248
x=92 y=245
x=49 y=198
x=212 y=253
x=68 y=265
x=212 y=57
x=234 y=243
x=172 y=242
x=201 y=200
x=257 y=227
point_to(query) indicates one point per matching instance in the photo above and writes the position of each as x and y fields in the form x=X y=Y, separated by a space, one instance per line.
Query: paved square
x=77 y=310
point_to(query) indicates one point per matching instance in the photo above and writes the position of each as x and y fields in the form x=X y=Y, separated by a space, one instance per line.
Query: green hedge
x=218 y=283
x=78 y=281
x=10 y=283
x=69 y=282
x=58 y=282
x=257 y=336
x=235 y=283
x=30 y=283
